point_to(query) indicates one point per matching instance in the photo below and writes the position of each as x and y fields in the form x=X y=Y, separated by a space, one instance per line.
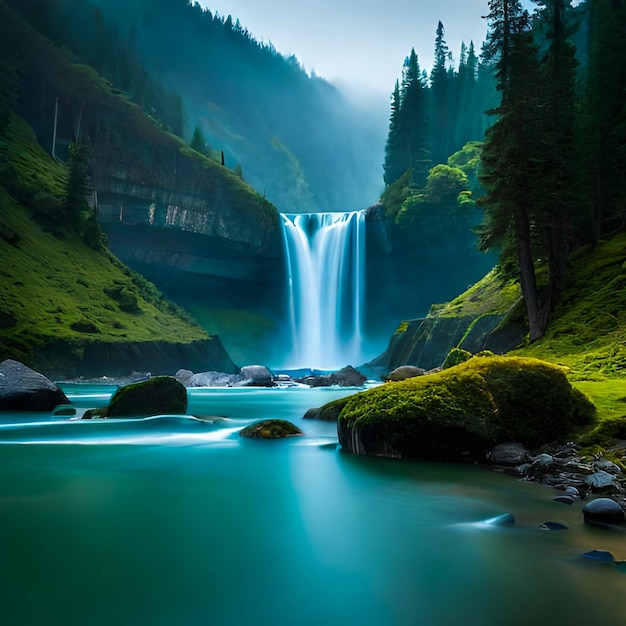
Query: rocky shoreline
x=563 y=469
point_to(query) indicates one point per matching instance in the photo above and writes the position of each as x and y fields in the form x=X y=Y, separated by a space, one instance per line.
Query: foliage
x=587 y=331
x=53 y=290
x=189 y=67
x=431 y=119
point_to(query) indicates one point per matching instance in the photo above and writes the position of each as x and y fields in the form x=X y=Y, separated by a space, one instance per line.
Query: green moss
x=456 y=356
x=587 y=330
x=54 y=289
x=492 y=295
x=469 y=407
x=159 y=395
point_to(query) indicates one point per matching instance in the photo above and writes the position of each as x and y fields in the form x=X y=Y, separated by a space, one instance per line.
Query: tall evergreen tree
x=510 y=147
x=606 y=113
x=440 y=87
x=555 y=189
x=392 y=166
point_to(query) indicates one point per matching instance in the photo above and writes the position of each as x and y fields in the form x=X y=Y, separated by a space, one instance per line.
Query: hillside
x=294 y=136
x=587 y=330
x=62 y=303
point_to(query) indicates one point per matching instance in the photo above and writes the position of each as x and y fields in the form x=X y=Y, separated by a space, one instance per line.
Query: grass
x=53 y=287
x=586 y=334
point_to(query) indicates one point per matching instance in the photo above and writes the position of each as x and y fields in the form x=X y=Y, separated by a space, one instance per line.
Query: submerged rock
x=271 y=429
x=157 y=396
x=24 y=389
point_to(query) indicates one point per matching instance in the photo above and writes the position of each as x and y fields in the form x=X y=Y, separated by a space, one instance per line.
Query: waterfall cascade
x=325 y=254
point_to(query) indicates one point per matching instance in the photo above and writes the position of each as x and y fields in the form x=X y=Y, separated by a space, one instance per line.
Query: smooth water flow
x=326 y=270
x=164 y=523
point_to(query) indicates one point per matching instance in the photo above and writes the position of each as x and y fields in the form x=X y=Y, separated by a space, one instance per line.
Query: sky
x=360 y=44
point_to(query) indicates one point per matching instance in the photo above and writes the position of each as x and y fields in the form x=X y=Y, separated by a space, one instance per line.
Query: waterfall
x=325 y=255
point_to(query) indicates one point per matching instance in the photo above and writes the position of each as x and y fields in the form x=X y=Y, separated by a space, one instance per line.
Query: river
x=106 y=523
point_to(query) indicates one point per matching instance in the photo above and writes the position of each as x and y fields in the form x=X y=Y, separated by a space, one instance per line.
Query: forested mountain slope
x=293 y=136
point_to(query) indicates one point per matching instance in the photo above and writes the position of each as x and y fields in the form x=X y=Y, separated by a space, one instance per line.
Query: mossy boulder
x=461 y=412
x=271 y=429
x=156 y=396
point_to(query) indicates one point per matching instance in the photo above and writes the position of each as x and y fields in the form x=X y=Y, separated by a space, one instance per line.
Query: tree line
x=547 y=171
x=553 y=159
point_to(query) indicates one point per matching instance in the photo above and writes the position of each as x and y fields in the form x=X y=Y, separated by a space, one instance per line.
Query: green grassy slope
x=53 y=287
x=586 y=333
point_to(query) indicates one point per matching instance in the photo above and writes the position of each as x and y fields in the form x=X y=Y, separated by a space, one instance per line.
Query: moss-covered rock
x=456 y=356
x=461 y=412
x=159 y=395
x=271 y=429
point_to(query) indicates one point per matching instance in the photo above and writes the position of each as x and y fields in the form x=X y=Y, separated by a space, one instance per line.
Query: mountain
x=292 y=135
x=142 y=179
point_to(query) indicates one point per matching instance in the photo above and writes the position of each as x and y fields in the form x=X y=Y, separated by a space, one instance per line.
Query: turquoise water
x=176 y=523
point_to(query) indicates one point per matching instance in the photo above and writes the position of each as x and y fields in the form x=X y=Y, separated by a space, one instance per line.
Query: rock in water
x=157 y=396
x=603 y=511
x=255 y=376
x=271 y=429
x=24 y=389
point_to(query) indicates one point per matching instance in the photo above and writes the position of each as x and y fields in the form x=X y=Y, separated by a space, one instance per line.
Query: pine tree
x=605 y=107
x=440 y=91
x=510 y=147
x=556 y=186
x=413 y=122
x=392 y=170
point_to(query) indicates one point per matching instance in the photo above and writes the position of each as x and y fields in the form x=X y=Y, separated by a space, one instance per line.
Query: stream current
x=171 y=522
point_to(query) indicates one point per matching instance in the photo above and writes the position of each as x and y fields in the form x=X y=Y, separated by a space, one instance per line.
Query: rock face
x=159 y=395
x=118 y=360
x=427 y=341
x=23 y=389
x=271 y=429
x=461 y=412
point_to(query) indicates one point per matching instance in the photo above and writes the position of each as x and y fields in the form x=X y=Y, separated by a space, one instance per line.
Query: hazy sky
x=362 y=42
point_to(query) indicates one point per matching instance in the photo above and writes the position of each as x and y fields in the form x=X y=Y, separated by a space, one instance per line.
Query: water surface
x=190 y=525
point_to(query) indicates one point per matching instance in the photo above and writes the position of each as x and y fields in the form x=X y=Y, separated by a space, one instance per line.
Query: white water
x=326 y=272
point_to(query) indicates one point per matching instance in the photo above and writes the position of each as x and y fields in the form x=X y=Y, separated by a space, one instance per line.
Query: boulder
x=271 y=429
x=254 y=376
x=24 y=389
x=157 y=396
x=607 y=466
x=602 y=482
x=510 y=454
x=462 y=412
x=603 y=511
x=403 y=372
x=183 y=376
